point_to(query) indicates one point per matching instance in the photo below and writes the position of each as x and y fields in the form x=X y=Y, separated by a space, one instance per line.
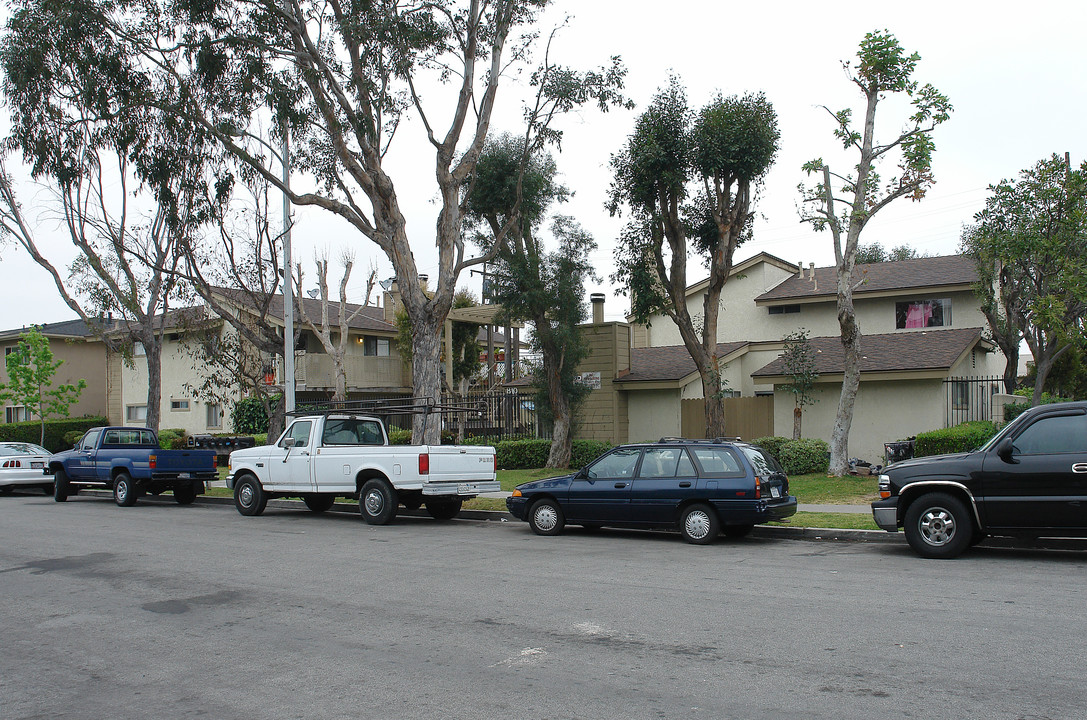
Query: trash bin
x=897 y=451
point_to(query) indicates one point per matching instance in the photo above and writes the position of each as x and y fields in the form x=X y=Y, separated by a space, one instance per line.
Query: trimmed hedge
x=797 y=457
x=172 y=438
x=524 y=454
x=55 y=431
x=961 y=438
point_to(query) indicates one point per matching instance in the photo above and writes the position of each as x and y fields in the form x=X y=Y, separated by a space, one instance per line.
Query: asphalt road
x=160 y=611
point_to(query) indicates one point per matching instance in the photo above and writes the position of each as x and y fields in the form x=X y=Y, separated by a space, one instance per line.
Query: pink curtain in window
x=918 y=315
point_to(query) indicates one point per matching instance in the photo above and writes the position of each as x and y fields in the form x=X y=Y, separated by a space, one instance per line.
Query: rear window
x=352 y=431
x=128 y=438
x=718 y=462
x=763 y=463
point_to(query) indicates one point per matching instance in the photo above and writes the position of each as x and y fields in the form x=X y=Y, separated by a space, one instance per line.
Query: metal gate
x=967 y=399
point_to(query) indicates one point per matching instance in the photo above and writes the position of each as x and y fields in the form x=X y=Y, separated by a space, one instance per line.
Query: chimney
x=811 y=271
x=801 y=267
x=598 y=308
x=391 y=297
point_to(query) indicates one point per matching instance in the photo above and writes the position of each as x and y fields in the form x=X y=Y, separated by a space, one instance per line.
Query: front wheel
x=546 y=517
x=124 y=491
x=318 y=502
x=699 y=524
x=60 y=486
x=377 y=502
x=938 y=525
x=444 y=509
x=249 y=496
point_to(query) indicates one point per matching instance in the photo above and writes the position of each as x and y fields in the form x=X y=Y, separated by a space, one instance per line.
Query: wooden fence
x=745 y=417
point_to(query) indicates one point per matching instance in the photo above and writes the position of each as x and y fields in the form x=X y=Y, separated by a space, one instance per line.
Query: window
x=214 y=415
x=764 y=463
x=374 y=346
x=89 y=440
x=122 y=438
x=783 y=309
x=352 y=431
x=618 y=464
x=1060 y=434
x=923 y=314
x=663 y=463
x=16 y=413
x=179 y=405
x=299 y=431
x=136 y=413
x=718 y=462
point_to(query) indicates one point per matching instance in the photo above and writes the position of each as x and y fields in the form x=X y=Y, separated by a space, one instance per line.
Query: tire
x=125 y=493
x=546 y=517
x=738 y=531
x=699 y=524
x=444 y=509
x=60 y=486
x=186 y=494
x=377 y=502
x=318 y=502
x=938 y=525
x=249 y=497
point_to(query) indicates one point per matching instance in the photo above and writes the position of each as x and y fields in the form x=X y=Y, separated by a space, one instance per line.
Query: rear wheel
x=124 y=491
x=318 y=502
x=938 y=525
x=60 y=486
x=186 y=494
x=699 y=524
x=738 y=531
x=377 y=502
x=249 y=496
x=445 y=509
x=546 y=517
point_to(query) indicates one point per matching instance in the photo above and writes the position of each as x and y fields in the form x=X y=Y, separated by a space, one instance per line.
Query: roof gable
x=670 y=363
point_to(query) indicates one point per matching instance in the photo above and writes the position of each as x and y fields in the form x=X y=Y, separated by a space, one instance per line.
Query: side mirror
x=1004 y=450
x=287 y=442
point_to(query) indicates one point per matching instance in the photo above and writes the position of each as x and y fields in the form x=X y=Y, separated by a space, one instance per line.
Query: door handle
x=620 y=485
x=1079 y=468
x=685 y=483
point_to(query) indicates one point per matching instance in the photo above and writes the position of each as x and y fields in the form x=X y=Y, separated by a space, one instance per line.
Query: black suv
x=699 y=487
x=1029 y=480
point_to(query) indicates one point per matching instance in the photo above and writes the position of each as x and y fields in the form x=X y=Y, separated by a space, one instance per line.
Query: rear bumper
x=885 y=513
x=755 y=512
x=460 y=489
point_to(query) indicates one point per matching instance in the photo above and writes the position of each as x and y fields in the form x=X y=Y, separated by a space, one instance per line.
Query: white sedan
x=21 y=465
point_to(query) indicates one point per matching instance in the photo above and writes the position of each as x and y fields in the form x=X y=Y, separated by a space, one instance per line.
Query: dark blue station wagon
x=699 y=487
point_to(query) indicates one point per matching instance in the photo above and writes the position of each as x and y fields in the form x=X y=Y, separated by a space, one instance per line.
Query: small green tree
x=30 y=380
x=799 y=360
x=876 y=253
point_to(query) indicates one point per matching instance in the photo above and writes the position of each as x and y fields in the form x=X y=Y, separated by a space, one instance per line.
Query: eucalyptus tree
x=689 y=181
x=545 y=287
x=1030 y=247
x=343 y=82
x=844 y=203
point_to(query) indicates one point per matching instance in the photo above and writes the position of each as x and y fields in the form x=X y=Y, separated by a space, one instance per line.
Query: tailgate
x=461 y=463
x=191 y=461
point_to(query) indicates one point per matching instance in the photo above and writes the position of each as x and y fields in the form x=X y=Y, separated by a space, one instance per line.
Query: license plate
x=775 y=492
x=184 y=476
x=37 y=465
x=464 y=488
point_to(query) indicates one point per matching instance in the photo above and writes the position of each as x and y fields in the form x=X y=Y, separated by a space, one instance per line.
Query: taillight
x=758 y=487
x=152 y=461
x=214 y=462
x=424 y=464
x=496 y=463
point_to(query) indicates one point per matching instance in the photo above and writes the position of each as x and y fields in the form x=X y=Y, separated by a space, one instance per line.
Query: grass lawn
x=843 y=521
x=818 y=489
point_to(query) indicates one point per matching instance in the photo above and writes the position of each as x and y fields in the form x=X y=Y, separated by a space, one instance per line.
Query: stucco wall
x=82 y=359
x=885 y=411
x=654 y=414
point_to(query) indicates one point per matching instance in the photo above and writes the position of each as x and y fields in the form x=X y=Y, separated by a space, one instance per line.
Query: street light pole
x=288 y=284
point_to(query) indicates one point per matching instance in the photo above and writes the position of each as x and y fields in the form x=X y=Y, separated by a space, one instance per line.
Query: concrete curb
x=780 y=532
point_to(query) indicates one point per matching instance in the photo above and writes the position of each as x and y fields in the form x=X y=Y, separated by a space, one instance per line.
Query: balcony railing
x=316 y=370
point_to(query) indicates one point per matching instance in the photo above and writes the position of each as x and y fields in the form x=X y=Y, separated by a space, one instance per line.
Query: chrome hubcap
x=122 y=490
x=546 y=518
x=937 y=526
x=374 y=502
x=245 y=495
x=697 y=524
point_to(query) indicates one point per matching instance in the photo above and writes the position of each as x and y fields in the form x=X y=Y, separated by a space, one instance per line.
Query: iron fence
x=970 y=398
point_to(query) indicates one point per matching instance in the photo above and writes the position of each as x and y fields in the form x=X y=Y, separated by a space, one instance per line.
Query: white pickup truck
x=342 y=454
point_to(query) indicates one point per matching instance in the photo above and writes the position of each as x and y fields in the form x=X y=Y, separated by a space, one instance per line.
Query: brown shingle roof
x=667 y=363
x=940 y=271
x=368 y=317
x=905 y=351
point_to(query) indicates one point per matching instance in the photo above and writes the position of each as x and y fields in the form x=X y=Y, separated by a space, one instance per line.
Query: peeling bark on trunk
x=561 y=437
x=797 y=415
x=851 y=334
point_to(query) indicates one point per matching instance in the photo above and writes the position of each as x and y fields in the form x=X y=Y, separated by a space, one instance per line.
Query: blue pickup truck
x=129 y=461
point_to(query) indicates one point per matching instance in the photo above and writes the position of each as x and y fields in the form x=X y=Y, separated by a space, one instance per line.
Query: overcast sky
x=1015 y=74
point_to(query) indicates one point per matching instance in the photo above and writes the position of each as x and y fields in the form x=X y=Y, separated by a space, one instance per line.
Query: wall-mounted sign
x=590 y=380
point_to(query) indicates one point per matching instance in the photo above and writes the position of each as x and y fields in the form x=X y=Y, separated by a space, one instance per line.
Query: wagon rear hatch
x=772 y=483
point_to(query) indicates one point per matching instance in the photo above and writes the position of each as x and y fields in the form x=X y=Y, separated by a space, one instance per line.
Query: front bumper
x=885 y=513
x=517 y=506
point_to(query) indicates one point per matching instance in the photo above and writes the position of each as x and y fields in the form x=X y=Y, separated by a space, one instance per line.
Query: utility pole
x=288 y=284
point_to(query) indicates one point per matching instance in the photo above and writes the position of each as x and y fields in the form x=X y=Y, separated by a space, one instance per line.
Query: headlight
x=884 y=486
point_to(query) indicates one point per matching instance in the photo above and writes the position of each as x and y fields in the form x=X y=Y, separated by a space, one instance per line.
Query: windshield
x=1009 y=428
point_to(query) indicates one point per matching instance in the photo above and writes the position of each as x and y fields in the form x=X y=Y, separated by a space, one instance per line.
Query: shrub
x=172 y=438
x=585 y=451
x=248 y=416
x=800 y=457
x=56 y=431
x=399 y=437
x=260 y=439
x=961 y=438
x=1014 y=410
x=521 y=454
x=772 y=445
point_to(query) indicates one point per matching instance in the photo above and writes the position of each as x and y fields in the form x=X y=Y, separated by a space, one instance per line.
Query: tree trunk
x=715 y=404
x=797 y=413
x=341 y=379
x=152 y=346
x=426 y=371
x=851 y=380
x=562 y=440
